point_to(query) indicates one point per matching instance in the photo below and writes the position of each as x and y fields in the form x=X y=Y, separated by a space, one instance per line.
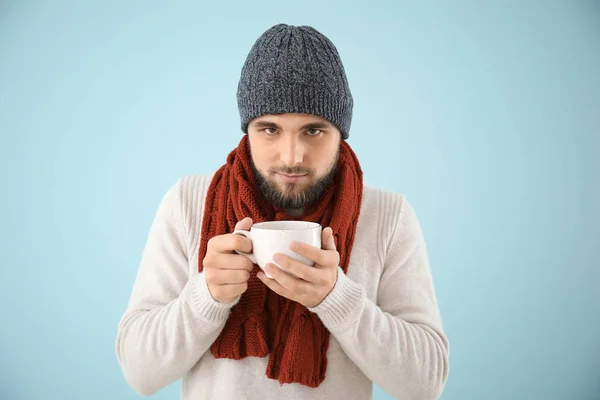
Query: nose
x=292 y=150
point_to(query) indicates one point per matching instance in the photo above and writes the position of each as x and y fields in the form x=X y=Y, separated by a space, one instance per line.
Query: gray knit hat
x=295 y=70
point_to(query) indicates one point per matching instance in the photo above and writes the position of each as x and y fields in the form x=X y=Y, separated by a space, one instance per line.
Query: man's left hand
x=311 y=284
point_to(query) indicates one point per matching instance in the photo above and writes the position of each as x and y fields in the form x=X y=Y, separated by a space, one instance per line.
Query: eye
x=313 y=132
x=270 y=131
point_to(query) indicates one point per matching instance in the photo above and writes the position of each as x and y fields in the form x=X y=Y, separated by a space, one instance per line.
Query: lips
x=291 y=178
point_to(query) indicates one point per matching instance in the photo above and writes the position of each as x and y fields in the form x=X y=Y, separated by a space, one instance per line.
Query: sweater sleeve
x=398 y=341
x=171 y=319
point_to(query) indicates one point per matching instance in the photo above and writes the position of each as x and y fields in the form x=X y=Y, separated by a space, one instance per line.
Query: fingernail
x=293 y=245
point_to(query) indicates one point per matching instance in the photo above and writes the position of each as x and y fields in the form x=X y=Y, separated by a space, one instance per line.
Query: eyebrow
x=310 y=125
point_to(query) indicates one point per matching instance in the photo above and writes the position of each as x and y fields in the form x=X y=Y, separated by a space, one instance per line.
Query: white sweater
x=383 y=315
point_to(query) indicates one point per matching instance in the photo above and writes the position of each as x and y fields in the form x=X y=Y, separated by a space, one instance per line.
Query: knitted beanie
x=294 y=69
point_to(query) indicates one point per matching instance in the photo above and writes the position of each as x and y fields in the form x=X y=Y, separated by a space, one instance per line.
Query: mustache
x=294 y=170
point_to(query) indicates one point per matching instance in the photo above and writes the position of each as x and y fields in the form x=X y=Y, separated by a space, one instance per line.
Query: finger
x=319 y=256
x=237 y=261
x=229 y=261
x=230 y=277
x=276 y=286
x=327 y=240
x=232 y=291
x=302 y=271
x=229 y=242
x=294 y=285
x=245 y=224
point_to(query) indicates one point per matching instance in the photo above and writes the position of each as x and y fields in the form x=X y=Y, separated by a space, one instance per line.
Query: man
x=365 y=313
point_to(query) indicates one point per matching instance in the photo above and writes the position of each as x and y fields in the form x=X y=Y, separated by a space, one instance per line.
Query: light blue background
x=485 y=114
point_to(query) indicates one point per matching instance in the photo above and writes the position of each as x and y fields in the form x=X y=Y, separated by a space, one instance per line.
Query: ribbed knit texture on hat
x=295 y=70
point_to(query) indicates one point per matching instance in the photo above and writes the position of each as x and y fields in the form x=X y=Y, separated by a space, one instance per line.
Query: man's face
x=294 y=157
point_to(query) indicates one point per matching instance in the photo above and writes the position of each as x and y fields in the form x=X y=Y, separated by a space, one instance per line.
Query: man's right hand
x=227 y=272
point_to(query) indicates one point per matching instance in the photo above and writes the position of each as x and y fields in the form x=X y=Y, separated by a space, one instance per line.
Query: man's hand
x=227 y=272
x=313 y=283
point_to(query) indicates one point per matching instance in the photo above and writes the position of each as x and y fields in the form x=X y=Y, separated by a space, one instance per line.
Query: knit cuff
x=343 y=305
x=203 y=302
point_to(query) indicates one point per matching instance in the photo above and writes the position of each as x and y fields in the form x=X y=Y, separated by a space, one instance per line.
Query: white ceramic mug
x=269 y=238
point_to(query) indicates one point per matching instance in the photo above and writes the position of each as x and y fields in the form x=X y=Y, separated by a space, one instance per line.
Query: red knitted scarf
x=264 y=322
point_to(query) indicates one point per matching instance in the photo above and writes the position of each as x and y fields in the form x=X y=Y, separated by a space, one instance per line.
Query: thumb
x=327 y=240
x=244 y=224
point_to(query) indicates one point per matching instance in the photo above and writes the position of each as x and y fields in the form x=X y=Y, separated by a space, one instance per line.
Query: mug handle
x=249 y=236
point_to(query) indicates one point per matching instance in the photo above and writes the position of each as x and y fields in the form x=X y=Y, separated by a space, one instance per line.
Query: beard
x=293 y=195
